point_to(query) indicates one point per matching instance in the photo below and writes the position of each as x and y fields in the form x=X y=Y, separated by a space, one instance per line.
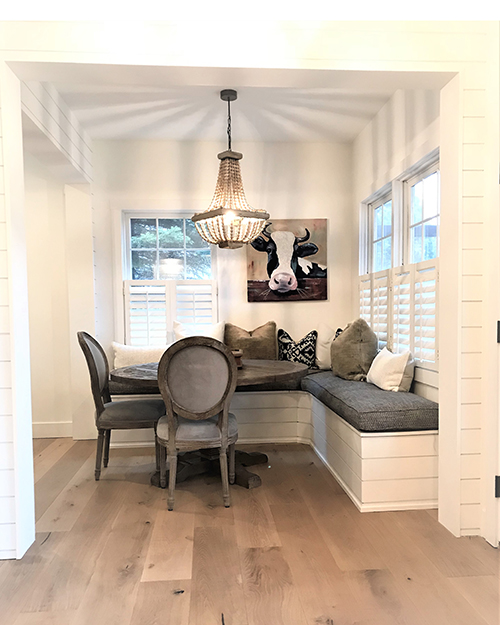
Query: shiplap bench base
x=379 y=471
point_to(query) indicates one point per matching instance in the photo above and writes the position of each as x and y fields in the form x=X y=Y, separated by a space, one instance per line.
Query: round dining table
x=253 y=375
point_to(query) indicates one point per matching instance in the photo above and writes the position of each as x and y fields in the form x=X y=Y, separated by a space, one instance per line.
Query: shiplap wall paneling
x=17 y=524
x=46 y=108
x=473 y=190
x=7 y=499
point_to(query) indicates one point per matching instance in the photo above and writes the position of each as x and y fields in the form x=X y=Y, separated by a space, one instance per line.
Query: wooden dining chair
x=197 y=378
x=115 y=415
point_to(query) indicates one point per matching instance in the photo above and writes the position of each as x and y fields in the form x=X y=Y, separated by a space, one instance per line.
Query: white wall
x=48 y=301
x=289 y=180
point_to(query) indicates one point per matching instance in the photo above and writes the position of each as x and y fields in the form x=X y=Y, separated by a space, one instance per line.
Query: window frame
x=127 y=215
x=408 y=183
x=399 y=191
x=379 y=202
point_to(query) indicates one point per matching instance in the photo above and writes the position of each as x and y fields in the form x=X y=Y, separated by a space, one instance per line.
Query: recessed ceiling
x=182 y=103
x=190 y=113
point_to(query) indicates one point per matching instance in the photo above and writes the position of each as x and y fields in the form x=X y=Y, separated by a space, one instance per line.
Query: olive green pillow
x=353 y=351
x=258 y=344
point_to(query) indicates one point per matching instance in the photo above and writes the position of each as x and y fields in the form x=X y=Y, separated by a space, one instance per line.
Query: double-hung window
x=423 y=215
x=399 y=271
x=381 y=243
x=168 y=276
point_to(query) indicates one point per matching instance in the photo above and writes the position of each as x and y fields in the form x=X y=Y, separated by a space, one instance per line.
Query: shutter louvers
x=365 y=298
x=146 y=305
x=401 y=309
x=152 y=305
x=425 y=314
x=196 y=303
x=380 y=307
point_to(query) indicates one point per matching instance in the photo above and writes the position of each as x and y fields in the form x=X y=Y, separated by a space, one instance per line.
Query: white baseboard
x=7 y=554
x=53 y=429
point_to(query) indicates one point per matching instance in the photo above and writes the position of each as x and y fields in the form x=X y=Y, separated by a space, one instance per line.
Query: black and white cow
x=286 y=262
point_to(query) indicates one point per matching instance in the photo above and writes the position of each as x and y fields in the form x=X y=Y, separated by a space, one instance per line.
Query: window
x=167 y=276
x=166 y=249
x=381 y=244
x=423 y=230
x=401 y=303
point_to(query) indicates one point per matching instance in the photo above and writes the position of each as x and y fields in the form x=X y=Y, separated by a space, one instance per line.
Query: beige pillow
x=258 y=344
x=128 y=355
x=215 y=331
x=353 y=351
x=392 y=372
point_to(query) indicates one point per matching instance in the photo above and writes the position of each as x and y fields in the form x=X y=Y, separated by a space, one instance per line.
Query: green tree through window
x=168 y=249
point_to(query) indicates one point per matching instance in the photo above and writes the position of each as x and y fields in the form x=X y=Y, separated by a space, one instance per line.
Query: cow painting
x=292 y=274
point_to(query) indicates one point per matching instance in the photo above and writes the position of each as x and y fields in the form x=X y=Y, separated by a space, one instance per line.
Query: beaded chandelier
x=230 y=221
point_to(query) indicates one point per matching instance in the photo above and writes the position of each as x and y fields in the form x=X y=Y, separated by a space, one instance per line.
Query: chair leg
x=162 y=453
x=231 y=464
x=98 y=458
x=157 y=453
x=224 y=476
x=172 y=468
x=107 y=441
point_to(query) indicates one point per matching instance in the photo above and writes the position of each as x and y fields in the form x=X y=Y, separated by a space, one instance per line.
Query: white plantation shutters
x=425 y=314
x=402 y=309
x=365 y=298
x=146 y=312
x=195 y=302
x=380 y=306
x=151 y=306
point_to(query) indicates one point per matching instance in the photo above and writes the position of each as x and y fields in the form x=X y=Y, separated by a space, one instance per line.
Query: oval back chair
x=197 y=378
x=119 y=415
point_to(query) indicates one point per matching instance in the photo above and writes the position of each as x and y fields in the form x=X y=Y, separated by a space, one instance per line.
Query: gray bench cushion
x=368 y=408
x=122 y=388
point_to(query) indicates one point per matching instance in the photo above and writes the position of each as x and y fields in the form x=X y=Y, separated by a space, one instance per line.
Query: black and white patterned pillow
x=304 y=351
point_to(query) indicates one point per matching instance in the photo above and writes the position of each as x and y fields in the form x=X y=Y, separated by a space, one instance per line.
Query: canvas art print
x=288 y=261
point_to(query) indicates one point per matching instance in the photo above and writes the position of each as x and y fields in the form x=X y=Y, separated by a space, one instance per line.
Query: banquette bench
x=381 y=446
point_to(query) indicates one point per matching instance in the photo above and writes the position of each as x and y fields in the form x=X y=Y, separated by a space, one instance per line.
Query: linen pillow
x=182 y=331
x=392 y=372
x=353 y=351
x=325 y=337
x=128 y=355
x=304 y=351
x=258 y=344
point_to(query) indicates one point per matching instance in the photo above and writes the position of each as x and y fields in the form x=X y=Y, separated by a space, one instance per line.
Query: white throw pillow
x=216 y=331
x=128 y=355
x=323 y=344
x=391 y=372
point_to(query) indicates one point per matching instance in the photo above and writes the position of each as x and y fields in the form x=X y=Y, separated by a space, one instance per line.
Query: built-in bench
x=381 y=446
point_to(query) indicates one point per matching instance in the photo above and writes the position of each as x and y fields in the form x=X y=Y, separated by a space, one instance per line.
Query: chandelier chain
x=229 y=124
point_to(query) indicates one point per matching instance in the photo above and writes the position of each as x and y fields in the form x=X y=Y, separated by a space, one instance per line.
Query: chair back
x=197 y=378
x=97 y=363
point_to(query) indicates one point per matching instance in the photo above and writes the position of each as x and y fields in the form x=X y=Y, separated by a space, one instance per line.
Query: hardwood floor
x=293 y=552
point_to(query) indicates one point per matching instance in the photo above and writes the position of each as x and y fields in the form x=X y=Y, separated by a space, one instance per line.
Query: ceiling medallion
x=230 y=221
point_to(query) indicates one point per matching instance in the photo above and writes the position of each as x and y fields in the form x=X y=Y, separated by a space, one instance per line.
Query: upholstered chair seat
x=137 y=413
x=208 y=431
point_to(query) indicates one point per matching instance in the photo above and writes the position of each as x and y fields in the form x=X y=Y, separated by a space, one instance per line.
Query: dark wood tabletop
x=253 y=373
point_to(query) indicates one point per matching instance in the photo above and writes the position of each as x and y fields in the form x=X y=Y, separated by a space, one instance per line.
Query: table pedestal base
x=207 y=461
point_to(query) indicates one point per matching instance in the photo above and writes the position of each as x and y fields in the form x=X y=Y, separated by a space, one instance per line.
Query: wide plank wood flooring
x=293 y=552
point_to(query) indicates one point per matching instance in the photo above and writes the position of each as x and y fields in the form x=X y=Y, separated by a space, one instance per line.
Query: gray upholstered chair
x=197 y=378
x=120 y=415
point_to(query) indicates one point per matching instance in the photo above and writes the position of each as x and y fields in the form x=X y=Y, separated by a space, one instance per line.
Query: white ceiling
x=187 y=113
x=182 y=103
